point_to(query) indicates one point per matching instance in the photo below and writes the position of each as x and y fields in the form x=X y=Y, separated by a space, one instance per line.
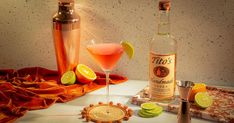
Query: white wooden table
x=68 y=112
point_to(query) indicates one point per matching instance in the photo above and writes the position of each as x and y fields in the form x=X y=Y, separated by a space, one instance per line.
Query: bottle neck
x=164 y=22
x=67 y=8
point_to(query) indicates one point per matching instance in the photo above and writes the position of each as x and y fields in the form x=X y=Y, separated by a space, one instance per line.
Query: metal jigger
x=184 y=88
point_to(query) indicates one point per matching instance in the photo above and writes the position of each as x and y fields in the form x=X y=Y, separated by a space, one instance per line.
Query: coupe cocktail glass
x=106 y=55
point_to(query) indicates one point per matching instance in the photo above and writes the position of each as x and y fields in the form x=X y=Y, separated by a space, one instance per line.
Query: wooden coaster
x=97 y=113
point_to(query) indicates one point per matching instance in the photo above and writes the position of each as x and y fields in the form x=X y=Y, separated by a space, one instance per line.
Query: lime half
x=203 y=100
x=68 y=78
x=128 y=48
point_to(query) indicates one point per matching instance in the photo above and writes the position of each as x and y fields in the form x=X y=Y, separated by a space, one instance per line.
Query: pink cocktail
x=106 y=54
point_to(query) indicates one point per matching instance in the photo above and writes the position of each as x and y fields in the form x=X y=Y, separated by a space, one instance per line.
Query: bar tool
x=184 y=88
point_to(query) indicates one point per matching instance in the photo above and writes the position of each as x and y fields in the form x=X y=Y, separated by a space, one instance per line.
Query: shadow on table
x=95 y=98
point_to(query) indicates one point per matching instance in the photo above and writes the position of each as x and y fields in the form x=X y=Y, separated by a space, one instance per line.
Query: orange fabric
x=38 y=88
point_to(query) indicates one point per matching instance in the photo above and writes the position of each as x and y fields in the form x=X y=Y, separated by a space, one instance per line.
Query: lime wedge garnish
x=203 y=100
x=68 y=78
x=148 y=106
x=128 y=48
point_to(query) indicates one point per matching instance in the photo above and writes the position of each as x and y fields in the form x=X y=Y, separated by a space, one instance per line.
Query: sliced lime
x=203 y=100
x=149 y=113
x=68 y=78
x=142 y=114
x=148 y=106
x=156 y=111
x=128 y=48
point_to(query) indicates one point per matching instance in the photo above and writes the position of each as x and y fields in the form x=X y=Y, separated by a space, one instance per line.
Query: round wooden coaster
x=98 y=113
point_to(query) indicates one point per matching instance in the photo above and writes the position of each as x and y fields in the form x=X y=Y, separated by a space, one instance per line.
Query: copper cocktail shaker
x=66 y=33
x=184 y=88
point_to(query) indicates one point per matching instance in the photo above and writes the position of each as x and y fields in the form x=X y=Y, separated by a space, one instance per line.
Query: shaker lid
x=164 y=5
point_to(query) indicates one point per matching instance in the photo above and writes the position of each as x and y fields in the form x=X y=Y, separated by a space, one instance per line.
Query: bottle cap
x=164 y=5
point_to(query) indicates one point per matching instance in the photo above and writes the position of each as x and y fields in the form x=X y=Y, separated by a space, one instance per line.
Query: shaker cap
x=164 y=5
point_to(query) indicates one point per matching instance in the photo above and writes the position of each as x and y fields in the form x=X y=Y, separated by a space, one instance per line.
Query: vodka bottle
x=162 y=64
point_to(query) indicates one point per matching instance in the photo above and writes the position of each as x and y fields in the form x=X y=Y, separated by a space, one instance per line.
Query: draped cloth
x=38 y=88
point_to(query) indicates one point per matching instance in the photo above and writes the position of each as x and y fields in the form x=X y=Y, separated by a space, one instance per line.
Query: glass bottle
x=162 y=64
x=66 y=34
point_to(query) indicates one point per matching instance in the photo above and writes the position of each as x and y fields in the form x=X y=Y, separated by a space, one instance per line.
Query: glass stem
x=107 y=87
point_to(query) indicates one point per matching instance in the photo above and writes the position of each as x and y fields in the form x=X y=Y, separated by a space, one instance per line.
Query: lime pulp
x=203 y=100
x=68 y=78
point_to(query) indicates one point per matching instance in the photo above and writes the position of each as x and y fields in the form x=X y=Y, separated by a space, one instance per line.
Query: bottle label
x=162 y=75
